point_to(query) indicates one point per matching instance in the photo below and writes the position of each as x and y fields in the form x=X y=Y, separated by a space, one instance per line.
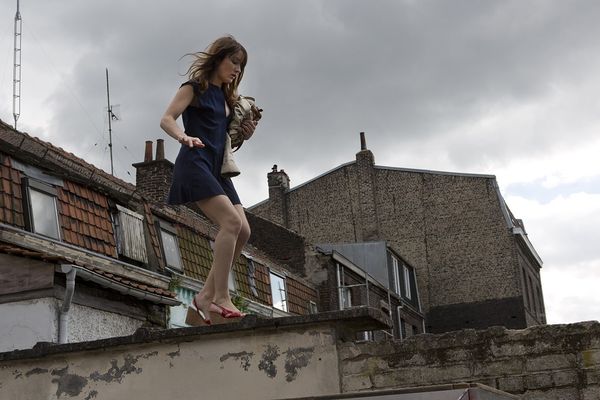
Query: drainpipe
x=63 y=322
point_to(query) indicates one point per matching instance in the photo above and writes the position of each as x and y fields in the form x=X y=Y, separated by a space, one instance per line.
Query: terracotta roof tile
x=11 y=208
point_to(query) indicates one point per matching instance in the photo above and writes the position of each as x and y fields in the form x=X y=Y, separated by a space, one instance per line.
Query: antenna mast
x=17 y=66
x=110 y=117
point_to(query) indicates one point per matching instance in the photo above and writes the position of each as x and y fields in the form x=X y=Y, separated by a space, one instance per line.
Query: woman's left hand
x=248 y=126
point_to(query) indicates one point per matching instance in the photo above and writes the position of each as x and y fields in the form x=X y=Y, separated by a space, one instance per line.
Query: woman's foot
x=226 y=309
x=204 y=306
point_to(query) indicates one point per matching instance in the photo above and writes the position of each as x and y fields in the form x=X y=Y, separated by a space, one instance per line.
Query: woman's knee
x=232 y=223
x=245 y=232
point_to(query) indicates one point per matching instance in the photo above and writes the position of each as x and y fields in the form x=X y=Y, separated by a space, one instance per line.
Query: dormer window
x=170 y=245
x=129 y=231
x=278 y=291
x=40 y=209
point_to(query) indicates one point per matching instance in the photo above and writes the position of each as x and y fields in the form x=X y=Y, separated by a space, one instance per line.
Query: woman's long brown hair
x=206 y=63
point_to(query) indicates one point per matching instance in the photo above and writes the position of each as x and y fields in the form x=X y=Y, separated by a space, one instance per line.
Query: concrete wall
x=24 y=323
x=540 y=363
x=86 y=323
x=307 y=356
x=255 y=359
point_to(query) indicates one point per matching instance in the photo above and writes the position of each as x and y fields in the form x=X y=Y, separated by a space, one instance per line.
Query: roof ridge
x=66 y=154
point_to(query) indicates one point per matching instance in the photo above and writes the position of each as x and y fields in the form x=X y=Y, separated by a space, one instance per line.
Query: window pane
x=346 y=298
x=396 y=275
x=278 y=292
x=406 y=281
x=171 y=249
x=43 y=211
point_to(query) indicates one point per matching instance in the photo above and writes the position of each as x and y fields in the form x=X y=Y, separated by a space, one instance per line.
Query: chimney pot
x=160 y=149
x=148 y=151
x=363 y=141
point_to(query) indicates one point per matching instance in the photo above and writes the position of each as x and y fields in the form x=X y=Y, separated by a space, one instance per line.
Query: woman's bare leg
x=242 y=238
x=220 y=211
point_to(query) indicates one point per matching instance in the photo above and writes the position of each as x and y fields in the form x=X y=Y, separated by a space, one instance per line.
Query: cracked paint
x=70 y=384
x=116 y=373
x=296 y=359
x=267 y=362
x=35 y=371
x=244 y=357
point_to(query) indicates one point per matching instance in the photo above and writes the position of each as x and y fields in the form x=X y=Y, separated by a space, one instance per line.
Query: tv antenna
x=111 y=116
x=17 y=66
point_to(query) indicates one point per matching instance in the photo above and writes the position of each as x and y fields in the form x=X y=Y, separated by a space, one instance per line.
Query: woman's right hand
x=190 y=141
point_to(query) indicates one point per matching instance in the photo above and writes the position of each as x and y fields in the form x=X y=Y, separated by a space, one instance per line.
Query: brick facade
x=453 y=228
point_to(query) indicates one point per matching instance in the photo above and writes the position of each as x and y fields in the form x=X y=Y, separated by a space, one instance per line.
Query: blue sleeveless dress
x=197 y=171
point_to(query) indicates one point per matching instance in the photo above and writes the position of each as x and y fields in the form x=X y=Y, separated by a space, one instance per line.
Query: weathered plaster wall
x=87 y=323
x=540 y=363
x=24 y=323
x=269 y=359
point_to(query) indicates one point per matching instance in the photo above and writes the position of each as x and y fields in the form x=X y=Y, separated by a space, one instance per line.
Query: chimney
x=364 y=155
x=368 y=229
x=279 y=184
x=148 y=152
x=160 y=149
x=153 y=177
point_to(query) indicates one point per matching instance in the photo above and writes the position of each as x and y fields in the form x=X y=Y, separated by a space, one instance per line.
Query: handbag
x=229 y=169
x=245 y=107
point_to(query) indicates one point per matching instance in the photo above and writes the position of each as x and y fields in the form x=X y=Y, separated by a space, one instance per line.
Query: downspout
x=63 y=322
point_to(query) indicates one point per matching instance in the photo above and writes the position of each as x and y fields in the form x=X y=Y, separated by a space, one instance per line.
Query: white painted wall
x=86 y=323
x=24 y=323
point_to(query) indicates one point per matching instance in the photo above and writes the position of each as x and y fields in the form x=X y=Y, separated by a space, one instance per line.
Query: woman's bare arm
x=182 y=99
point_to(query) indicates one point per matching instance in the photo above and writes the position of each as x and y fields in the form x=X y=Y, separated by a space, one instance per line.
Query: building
x=474 y=263
x=85 y=255
x=373 y=274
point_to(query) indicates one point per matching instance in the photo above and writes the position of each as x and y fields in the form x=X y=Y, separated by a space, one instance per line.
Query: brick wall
x=450 y=227
x=542 y=362
x=283 y=245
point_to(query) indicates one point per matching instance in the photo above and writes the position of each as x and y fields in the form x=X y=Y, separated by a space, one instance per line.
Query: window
x=41 y=213
x=170 y=245
x=406 y=281
x=278 y=291
x=396 y=274
x=346 y=298
x=129 y=232
x=312 y=307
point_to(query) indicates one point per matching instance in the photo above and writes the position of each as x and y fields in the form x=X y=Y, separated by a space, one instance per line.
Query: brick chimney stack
x=279 y=184
x=153 y=177
x=365 y=169
x=364 y=155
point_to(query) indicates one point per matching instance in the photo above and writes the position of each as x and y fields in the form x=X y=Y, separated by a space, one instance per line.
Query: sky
x=508 y=88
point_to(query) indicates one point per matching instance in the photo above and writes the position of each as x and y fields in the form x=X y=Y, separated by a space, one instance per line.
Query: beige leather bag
x=229 y=169
x=245 y=108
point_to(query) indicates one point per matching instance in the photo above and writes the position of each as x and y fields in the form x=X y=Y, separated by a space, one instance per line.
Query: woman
x=206 y=101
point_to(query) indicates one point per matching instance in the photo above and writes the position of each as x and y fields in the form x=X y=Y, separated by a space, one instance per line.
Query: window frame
x=168 y=228
x=396 y=275
x=119 y=232
x=407 y=281
x=284 y=301
x=28 y=184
